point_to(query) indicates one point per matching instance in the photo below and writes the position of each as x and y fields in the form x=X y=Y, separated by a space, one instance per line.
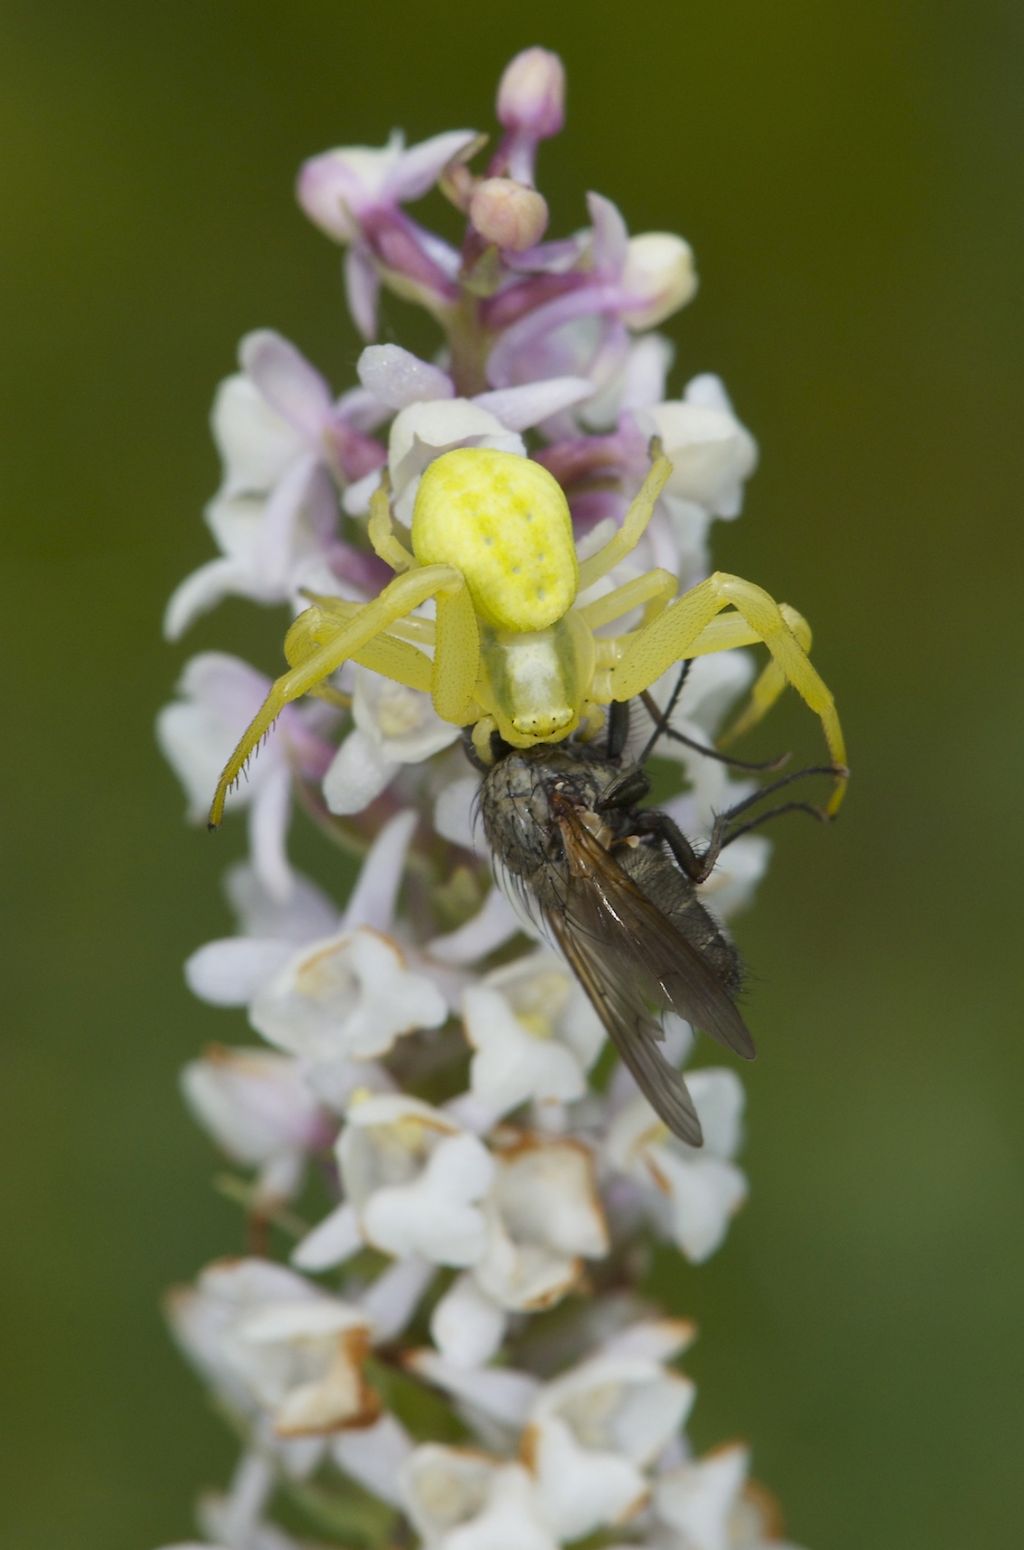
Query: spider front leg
x=387 y=654
x=400 y=597
x=675 y=634
x=634 y=523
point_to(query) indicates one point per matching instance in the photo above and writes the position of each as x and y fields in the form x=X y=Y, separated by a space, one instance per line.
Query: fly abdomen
x=674 y=894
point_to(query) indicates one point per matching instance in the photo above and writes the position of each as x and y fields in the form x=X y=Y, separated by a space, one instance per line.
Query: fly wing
x=641 y=945
x=628 y=957
x=624 y=1013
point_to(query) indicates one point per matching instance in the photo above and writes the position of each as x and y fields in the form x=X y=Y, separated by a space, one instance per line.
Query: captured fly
x=616 y=885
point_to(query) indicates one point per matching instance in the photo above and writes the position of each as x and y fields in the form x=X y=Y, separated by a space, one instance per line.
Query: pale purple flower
x=432 y=419
x=259 y=1110
x=286 y=446
x=578 y=322
x=196 y=733
x=530 y=108
x=355 y=195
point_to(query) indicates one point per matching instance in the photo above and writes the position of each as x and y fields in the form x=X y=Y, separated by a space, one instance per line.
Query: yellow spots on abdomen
x=504 y=522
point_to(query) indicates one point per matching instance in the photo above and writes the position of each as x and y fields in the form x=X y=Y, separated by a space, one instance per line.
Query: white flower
x=272 y=1342
x=544 y=1218
x=701 y=1502
x=711 y=452
x=493 y=1401
x=690 y=1194
x=393 y=726
x=594 y=1432
x=467 y=1325
x=659 y=273
x=347 y=997
x=460 y=1500
x=229 y=972
x=236 y=1518
x=494 y=923
x=534 y=1034
x=415 y=1179
x=259 y=1110
x=339 y=997
x=375 y=1456
x=454 y=811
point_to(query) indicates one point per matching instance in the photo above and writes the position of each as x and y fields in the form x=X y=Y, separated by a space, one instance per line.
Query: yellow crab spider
x=511 y=650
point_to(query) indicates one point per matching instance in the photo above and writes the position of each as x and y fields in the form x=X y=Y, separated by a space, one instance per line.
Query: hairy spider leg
x=414 y=629
x=654 y=590
x=698 y=865
x=398 y=598
x=769 y=685
x=381 y=530
x=673 y=634
x=386 y=654
x=633 y=523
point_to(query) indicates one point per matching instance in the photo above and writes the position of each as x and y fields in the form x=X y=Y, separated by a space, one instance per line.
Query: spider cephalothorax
x=513 y=650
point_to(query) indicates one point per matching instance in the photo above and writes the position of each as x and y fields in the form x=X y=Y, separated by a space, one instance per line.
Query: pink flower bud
x=531 y=94
x=508 y=213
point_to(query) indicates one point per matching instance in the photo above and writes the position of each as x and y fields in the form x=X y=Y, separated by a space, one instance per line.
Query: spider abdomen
x=504 y=522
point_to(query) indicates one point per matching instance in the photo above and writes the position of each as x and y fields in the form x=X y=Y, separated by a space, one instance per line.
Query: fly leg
x=662 y=728
x=724 y=829
x=663 y=828
x=699 y=867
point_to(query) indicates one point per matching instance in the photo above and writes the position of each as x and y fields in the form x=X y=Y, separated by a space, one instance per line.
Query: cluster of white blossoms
x=454 y=1353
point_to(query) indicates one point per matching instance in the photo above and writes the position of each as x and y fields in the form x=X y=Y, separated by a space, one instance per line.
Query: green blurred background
x=849 y=177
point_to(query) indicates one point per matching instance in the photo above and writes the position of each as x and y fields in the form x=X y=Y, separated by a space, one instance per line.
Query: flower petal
x=286 y=380
x=231 y=971
x=357 y=774
x=418 y=169
x=466 y=1325
x=372 y=900
x=519 y=408
x=255 y=443
x=269 y=814
x=362 y=288
x=331 y=1242
x=376 y=1456
x=398 y=378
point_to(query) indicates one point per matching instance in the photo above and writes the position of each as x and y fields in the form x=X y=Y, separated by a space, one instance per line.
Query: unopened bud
x=508 y=213
x=531 y=94
x=659 y=277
